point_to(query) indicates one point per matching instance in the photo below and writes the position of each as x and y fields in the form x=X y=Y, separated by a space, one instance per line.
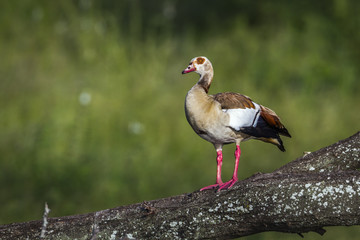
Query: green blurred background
x=91 y=95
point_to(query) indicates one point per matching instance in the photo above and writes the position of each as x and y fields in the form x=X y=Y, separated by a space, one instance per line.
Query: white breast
x=246 y=117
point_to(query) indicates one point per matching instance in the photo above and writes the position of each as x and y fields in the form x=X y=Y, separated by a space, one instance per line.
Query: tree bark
x=314 y=191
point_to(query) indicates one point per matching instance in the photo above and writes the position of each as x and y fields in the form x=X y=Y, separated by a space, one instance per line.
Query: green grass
x=131 y=141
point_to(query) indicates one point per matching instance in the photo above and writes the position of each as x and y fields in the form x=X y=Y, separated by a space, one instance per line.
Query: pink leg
x=218 y=172
x=234 y=179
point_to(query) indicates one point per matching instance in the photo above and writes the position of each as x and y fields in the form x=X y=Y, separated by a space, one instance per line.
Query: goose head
x=200 y=65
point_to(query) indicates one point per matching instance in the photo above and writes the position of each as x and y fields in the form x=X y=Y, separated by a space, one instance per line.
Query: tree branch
x=318 y=190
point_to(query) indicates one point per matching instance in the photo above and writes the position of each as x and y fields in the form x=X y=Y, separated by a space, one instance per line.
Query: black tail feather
x=284 y=132
x=280 y=145
x=263 y=131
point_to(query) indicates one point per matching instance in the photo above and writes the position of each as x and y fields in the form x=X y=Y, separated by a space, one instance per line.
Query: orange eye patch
x=200 y=60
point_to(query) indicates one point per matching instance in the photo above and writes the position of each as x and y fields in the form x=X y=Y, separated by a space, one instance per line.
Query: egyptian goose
x=228 y=117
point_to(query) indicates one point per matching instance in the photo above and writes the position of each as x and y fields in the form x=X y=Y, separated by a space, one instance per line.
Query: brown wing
x=273 y=120
x=268 y=126
x=230 y=100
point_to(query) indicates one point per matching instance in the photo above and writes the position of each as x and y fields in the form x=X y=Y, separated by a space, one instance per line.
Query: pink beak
x=190 y=68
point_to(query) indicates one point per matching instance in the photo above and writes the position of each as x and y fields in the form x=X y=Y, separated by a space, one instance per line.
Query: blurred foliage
x=91 y=94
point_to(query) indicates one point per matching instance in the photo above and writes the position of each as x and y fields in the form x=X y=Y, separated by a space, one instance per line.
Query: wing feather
x=243 y=117
x=273 y=120
x=230 y=100
x=243 y=112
